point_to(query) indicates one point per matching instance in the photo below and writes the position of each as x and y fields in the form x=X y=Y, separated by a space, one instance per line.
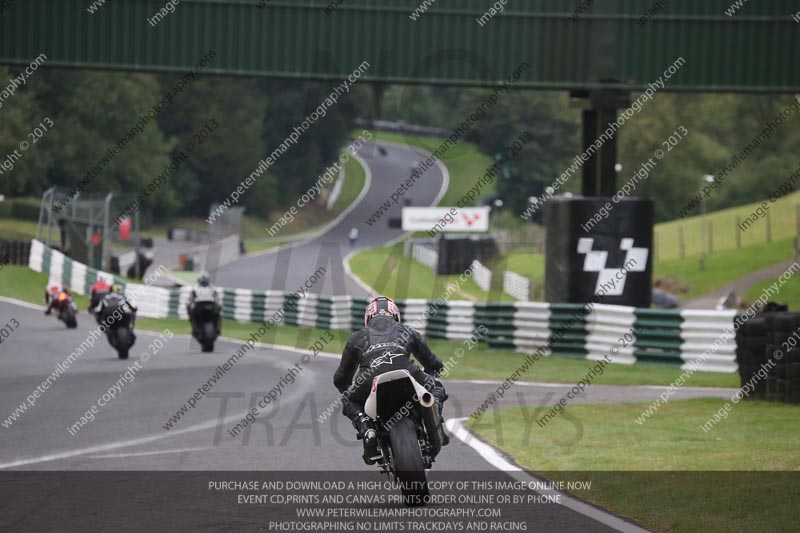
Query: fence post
x=681 y=246
x=710 y=236
x=655 y=247
x=769 y=228
x=797 y=216
x=738 y=233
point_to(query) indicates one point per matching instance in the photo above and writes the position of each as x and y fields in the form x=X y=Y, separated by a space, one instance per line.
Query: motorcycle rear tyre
x=408 y=466
x=123 y=342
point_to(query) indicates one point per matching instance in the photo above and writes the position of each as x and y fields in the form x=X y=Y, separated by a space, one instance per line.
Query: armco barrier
x=151 y=301
x=626 y=335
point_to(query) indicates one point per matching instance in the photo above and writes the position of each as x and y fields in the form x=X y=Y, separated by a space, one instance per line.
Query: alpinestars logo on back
x=385 y=359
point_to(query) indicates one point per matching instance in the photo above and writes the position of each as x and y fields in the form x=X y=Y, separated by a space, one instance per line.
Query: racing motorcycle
x=119 y=320
x=206 y=323
x=67 y=309
x=408 y=432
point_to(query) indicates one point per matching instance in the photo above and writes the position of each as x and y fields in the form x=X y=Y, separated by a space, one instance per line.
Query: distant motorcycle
x=408 y=431
x=67 y=310
x=206 y=322
x=119 y=319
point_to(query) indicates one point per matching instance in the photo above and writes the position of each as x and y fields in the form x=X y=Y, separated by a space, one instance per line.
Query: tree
x=20 y=114
x=93 y=111
x=554 y=141
x=222 y=156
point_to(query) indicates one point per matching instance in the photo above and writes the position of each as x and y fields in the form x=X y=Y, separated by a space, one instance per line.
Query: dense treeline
x=720 y=127
x=93 y=110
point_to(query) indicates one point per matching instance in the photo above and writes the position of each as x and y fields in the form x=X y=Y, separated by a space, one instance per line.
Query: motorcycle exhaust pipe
x=426 y=400
x=430 y=419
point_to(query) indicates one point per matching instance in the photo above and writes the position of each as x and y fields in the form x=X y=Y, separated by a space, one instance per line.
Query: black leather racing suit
x=382 y=346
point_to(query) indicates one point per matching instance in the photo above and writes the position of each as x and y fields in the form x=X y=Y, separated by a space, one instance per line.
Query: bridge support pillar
x=599 y=110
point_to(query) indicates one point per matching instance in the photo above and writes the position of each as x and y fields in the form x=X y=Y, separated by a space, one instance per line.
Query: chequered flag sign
x=596 y=262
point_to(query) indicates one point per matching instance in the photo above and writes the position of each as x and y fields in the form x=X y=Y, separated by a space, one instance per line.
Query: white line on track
x=277 y=347
x=495 y=458
x=21 y=303
x=144 y=454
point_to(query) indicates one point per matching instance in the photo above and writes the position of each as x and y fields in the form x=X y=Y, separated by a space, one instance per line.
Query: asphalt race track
x=290 y=266
x=128 y=432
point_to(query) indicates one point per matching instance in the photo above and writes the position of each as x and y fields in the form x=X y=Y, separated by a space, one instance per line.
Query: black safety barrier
x=14 y=252
x=599 y=250
x=768 y=355
x=456 y=253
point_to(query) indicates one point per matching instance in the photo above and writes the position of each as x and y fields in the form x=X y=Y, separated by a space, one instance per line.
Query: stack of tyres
x=776 y=381
x=776 y=385
x=793 y=373
x=771 y=342
x=787 y=331
x=751 y=349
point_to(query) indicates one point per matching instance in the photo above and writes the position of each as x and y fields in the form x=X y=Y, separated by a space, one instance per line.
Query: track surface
x=128 y=432
x=290 y=266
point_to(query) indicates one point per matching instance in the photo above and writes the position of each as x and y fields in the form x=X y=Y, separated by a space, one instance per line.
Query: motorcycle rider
x=99 y=291
x=352 y=236
x=51 y=292
x=203 y=291
x=111 y=301
x=383 y=345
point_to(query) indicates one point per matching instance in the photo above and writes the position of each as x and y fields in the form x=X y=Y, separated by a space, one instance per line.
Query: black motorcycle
x=409 y=432
x=206 y=320
x=119 y=320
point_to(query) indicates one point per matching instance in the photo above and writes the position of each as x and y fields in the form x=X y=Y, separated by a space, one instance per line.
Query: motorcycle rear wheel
x=409 y=468
x=69 y=318
x=208 y=337
x=123 y=343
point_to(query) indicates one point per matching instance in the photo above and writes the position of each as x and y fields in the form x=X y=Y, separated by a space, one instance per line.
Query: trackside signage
x=473 y=219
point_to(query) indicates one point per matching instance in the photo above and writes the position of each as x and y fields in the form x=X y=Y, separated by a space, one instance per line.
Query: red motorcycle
x=67 y=310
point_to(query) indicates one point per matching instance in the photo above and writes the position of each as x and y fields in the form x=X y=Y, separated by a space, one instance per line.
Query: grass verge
x=723 y=267
x=385 y=268
x=388 y=272
x=24 y=284
x=621 y=457
x=23 y=230
x=722 y=225
x=790 y=293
